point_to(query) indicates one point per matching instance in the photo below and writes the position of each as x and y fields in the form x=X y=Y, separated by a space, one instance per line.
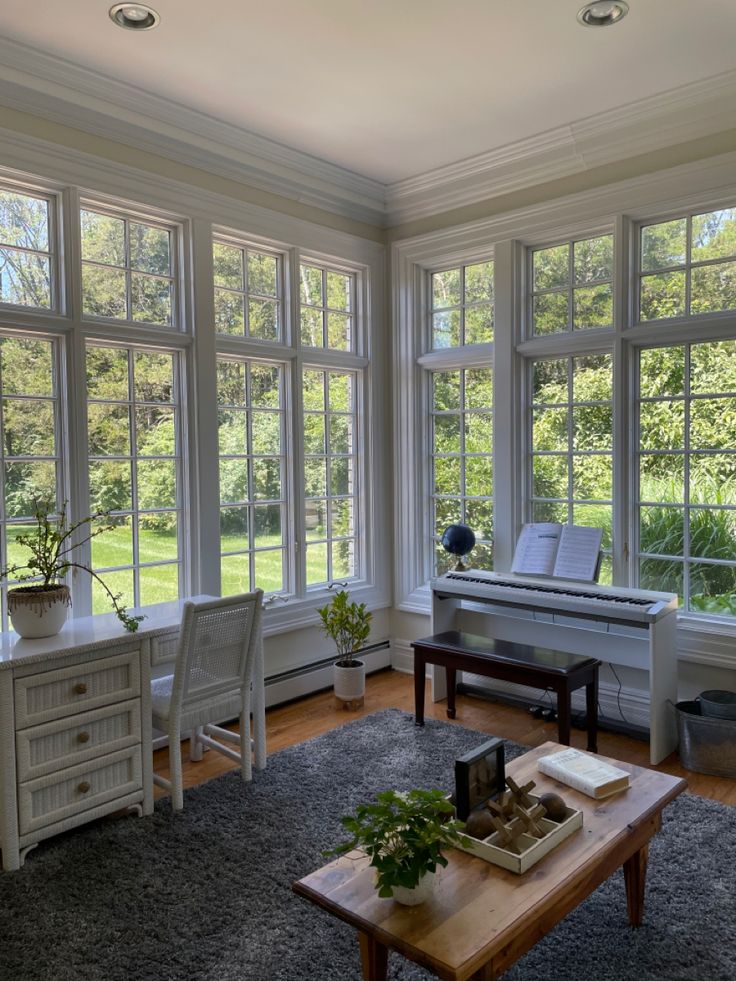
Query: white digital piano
x=630 y=627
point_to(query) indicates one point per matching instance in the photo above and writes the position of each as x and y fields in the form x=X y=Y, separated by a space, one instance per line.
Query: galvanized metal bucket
x=707 y=745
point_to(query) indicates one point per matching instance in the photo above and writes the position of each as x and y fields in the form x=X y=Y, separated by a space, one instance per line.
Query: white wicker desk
x=75 y=724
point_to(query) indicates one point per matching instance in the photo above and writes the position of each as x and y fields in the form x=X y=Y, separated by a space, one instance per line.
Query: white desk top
x=88 y=633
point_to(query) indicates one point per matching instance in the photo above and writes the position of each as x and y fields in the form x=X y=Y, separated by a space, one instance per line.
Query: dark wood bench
x=519 y=663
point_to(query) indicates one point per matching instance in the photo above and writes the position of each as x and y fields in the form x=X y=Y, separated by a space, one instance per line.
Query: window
x=135 y=471
x=688 y=266
x=687 y=474
x=30 y=448
x=248 y=292
x=327 y=307
x=127 y=269
x=462 y=461
x=462 y=305
x=460 y=389
x=25 y=250
x=572 y=286
x=330 y=475
x=251 y=424
x=572 y=444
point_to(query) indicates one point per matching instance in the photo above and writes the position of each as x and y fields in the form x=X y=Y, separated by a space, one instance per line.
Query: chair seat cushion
x=219 y=708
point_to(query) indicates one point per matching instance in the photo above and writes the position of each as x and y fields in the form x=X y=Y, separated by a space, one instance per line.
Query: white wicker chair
x=218 y=644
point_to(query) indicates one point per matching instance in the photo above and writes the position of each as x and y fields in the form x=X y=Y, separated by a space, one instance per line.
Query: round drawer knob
x=80 y=689
x=83 y=787
x=83 y=737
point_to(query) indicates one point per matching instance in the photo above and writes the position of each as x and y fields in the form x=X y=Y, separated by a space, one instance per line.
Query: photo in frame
x=479 y=776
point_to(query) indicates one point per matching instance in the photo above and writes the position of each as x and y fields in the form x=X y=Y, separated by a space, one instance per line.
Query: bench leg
x=563 y=715
x=591 y=706
x=420 y=682
x=451 y=674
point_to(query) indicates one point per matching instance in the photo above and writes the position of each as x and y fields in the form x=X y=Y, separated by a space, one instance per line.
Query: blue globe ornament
x=458 y=540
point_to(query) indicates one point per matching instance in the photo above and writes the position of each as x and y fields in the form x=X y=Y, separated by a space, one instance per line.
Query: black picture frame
x=479 y=776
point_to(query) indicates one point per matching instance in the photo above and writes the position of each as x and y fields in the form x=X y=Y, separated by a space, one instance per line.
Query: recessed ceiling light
x=134 y=16
x=602 y=13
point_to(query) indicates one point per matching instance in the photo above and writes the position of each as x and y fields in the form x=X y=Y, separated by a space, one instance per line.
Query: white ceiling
x=390 y=88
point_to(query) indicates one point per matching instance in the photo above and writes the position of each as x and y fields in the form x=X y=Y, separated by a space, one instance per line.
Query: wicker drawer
x=59 y=796
x=65 y=742
x=164 y=648
x=67 y=691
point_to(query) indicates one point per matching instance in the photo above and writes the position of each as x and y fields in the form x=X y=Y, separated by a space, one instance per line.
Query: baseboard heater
x=308 y=679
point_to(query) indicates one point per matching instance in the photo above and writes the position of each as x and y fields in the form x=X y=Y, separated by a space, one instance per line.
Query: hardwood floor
x=309 y=717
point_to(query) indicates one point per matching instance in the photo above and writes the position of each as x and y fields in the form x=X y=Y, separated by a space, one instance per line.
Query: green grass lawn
x=159 y=583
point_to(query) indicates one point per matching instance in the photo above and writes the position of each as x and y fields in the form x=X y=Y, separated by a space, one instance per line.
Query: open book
x=585 y=773
x=565 y=551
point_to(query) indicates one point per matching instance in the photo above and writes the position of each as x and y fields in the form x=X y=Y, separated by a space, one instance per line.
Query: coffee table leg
x=374 y=957
x=635 y=875
x=420 y=681
x=451 y=674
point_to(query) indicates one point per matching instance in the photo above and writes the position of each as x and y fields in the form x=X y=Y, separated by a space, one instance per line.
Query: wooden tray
x=532 y=849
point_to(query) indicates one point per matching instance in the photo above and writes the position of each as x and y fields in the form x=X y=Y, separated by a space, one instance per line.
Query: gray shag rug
x=205 y=895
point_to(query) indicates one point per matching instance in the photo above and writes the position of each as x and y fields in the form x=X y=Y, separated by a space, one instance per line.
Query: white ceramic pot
x=38 y=613
x=349 y=682
x=419 y=894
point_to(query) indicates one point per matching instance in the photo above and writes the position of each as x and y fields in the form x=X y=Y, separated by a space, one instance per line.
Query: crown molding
x=56 y=89
x=686 y=113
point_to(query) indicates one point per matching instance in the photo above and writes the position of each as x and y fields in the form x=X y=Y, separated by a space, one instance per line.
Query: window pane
x=479 y=324
x=462 y=306
x=479 y=282
x=103 y=292
x=446 y=289
x=714 y=235
x=664 y=244
x=263 y=319
x=24 y=221
x=713 y=288
x=103 y=238
x=310 y=279
x=446 y=329
x=25 y=278
x=551 y=267
x=338 y=291
x=662 y=296
x=662 y=372
x=227 y=264
x=712 y=367
x=151 y=299
x=550 y=313
x=662 y=425
x=592 y=307
x=229 y=312
x=262 y=274
x=662 y=530
x=593 y=259
x=150 y=249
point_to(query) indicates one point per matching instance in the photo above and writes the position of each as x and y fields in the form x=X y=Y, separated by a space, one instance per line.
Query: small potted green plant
x=404 y=835
x=348 y=624
x=39 y=609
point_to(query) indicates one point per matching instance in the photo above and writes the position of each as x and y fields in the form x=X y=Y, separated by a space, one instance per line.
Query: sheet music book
x=563 y=551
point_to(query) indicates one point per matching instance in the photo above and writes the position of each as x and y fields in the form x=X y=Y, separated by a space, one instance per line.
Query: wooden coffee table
x=483 y=918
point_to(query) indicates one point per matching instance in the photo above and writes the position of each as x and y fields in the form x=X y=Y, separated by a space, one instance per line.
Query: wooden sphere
x=555 y=807
x=479 y=824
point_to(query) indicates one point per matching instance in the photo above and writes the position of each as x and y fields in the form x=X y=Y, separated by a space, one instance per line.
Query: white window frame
x=695 y=188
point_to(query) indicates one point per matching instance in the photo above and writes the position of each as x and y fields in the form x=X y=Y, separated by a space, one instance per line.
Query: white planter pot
x=349 y=682
x=419 y=894
x=38 y=613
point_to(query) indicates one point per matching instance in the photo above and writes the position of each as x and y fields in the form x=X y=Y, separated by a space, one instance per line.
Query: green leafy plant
x=404 y=834
x=51 y=544
x=348 y=624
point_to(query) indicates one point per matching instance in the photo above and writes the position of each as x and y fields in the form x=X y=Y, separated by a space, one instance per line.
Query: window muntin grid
x=687 y=266
x=25 y=250
x=462 y=460
x=248 y=291
x=327 y=307
x=462 y=305
x=687 y=474
x=251 y=423
x=29 y=441
x=127 y=268
x=330 y=475
x=571 y=463
x=133 y=420
x=572 y=286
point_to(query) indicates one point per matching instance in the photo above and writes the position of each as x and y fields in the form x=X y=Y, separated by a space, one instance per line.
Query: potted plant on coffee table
x=39 y=607
x=404 y=835
x=348 y=624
